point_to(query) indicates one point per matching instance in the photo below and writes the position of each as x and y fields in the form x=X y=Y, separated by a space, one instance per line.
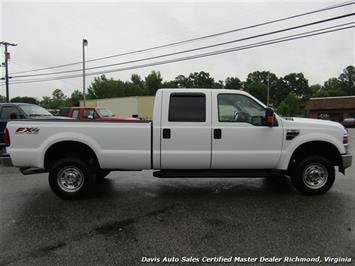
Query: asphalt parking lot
x=134 y=215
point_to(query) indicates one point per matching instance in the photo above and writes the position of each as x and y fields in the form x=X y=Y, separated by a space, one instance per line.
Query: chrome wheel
x=315 y=175
x=70 y=179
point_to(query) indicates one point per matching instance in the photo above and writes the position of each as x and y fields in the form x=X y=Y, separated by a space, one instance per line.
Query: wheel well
x=321 y=148
x=75 y=149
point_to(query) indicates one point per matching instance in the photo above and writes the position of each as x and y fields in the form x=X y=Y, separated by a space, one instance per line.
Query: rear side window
x=75 y=114
x=6 y=112
x=187 y=107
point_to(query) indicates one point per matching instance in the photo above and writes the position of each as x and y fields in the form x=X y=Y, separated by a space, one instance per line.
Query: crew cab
x=194 y=133
x=96 y=113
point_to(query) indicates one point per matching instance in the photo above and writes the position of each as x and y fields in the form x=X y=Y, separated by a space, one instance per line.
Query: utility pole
x=85 y=43
x=268 y=90
x=7 y=56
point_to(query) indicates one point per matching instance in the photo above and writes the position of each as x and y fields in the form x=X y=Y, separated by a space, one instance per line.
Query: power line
x=217 y=52
x=191 y=50
x=197 y=38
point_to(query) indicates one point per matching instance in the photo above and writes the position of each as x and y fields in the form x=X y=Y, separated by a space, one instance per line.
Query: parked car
x=194 y=133
x=11 y=111
x=349 y=122
x=92 y=113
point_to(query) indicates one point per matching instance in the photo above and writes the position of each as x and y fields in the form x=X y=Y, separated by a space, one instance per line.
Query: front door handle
x=166 y=133
x=217 y=133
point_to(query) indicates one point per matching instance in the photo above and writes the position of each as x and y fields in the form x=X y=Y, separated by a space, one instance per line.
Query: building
x=126 y=106
x=333 y=108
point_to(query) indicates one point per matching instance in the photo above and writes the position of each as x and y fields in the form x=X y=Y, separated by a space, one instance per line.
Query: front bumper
x=5 y=160
x=347 y=160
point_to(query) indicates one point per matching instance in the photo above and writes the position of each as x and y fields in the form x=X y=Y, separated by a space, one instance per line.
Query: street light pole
x=85 y=43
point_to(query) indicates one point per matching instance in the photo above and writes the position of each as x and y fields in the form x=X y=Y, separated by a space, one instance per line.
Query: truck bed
x=117 y=144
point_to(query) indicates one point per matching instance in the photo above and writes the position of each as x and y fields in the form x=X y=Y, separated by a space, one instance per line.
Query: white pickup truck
x=194 y=133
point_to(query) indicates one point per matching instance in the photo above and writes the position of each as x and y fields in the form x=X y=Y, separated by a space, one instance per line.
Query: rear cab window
x=187 y=107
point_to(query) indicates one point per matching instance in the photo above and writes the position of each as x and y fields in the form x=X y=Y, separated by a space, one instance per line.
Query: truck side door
x=241 y=140
x=186 y=129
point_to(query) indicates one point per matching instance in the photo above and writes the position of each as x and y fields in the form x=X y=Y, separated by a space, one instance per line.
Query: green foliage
x=347 y=80
x=232 y=83
x=297 y=83
x=153 y=82
x=24 y=99
x=256 y=83
x=75 y=98
x=291 y=106
x=102 y=87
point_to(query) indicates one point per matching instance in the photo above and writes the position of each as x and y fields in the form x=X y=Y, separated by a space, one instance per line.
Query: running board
x=217 y=173
x=31 y=171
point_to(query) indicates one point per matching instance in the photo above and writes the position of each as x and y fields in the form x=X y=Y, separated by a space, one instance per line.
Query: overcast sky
x=50 y=33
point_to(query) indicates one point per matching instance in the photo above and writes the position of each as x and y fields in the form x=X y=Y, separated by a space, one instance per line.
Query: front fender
x=298 y=141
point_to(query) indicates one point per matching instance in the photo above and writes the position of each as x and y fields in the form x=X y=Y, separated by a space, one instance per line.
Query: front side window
x=240 y=108
x=187 y=107
x=87 y=113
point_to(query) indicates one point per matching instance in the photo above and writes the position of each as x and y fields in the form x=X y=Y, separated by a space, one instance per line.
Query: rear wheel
x=71 y=178
x=313 y=175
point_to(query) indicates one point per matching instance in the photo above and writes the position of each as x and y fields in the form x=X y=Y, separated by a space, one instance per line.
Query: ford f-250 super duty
x=194 y=133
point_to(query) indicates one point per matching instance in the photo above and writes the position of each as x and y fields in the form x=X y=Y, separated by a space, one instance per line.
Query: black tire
x=313 y=175
x=71 y=169
x=100 y=174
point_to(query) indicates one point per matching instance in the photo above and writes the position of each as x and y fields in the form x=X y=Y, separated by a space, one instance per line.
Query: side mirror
x=90 y=117
x=13 y=115
x=269 y=117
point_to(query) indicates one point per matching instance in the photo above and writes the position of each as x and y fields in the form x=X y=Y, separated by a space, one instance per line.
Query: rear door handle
x=166 y=133
x=217 y=133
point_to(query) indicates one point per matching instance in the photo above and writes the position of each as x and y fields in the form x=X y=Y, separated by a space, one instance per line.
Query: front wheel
x=71 y=178
x=313 y=175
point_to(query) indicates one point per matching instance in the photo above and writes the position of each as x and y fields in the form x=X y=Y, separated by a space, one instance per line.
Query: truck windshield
x=104 y=112
x=34 y=110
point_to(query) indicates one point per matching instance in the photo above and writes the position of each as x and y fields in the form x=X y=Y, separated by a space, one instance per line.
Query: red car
x=97 y=113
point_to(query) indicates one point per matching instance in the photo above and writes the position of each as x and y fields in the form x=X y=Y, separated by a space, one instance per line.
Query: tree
x=58 y=95
x=102 y=87
x=257 y=83
x=153 y=82
x=297 y=83
x=347 y=80
x=74 y=99
x=232 y=83
x=169 y=84
x=182 y=82
x=200 y=80
x=291 y=106
x=332 y=87
x=137 y=80
x=58 y=100
x=24 y=99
